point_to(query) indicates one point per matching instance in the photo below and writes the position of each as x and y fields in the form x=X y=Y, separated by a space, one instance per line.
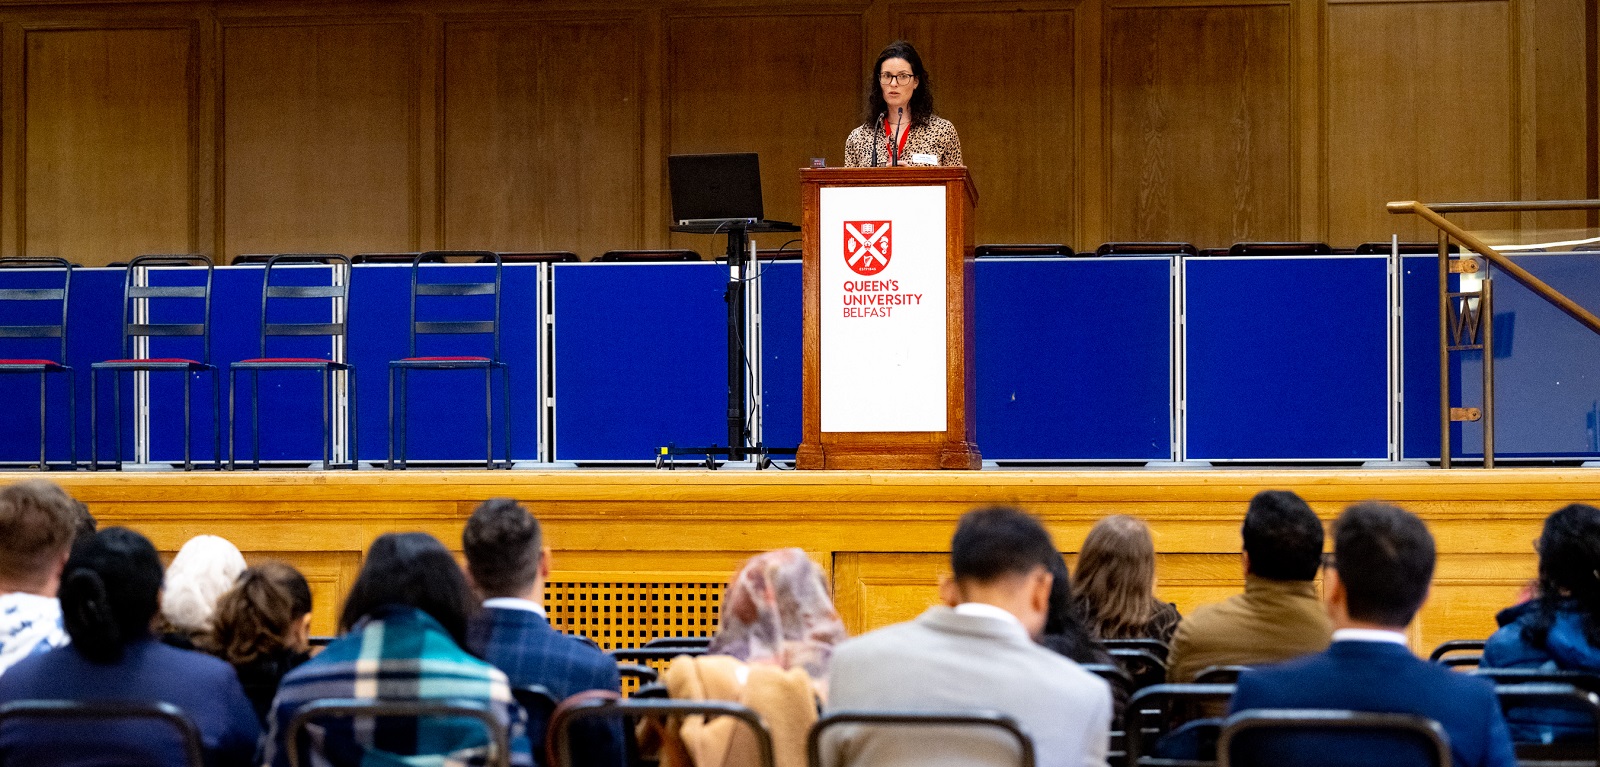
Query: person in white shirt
x=974 y=653
x=38 y=521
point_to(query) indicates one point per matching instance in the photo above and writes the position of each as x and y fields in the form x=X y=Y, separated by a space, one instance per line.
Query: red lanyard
x=888 y=141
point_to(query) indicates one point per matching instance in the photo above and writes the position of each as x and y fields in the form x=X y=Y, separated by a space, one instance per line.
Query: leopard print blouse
x=936 y=138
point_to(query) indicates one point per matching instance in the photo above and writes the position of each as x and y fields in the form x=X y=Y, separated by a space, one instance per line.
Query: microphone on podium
x=894 y=142
x=877 y=126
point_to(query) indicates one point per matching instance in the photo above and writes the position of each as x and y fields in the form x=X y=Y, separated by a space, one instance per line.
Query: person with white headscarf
x=204 y=569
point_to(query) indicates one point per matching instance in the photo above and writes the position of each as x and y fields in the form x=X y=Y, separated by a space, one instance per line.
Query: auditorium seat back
x=975 y=721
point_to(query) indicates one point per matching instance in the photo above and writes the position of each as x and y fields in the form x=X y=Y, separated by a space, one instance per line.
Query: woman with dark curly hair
x=1559 y=629
x=899 y=127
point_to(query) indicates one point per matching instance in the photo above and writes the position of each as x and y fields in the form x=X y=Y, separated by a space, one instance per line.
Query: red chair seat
x=41 y=363
x=316 y=360
x=445 y=359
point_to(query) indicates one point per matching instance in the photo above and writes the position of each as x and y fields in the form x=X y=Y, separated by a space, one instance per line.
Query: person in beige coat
x=1279 y=615
x=974 y=653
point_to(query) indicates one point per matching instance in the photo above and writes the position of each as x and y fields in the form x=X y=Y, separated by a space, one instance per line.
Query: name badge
x=924 y=159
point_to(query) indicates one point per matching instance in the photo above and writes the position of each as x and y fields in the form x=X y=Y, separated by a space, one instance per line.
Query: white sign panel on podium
x=882 y=259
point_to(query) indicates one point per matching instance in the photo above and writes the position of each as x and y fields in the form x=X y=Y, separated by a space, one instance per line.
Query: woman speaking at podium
x=901 y=128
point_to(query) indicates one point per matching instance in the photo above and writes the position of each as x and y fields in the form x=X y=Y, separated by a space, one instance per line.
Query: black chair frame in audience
x=1143 y=665
x=1254 y=720
x=44 y=367
x=1115 y=676
x=1220 y=674
x=1155 y=647
x=396 y=258
x=647 y=654
x=992 y=720
x=79 y=710
x=679 y=642
x=337 y=294
x=647 y=256
x=576 y=711
x=1456 y=645
x=1561 y=696
x=1025 y=251
x=1146 y=249
x=1511 y=676
x=535 y=257
x=1149 y=714
x=498 y=738
x=133 y=298
x=488 y=364
x=642 y=673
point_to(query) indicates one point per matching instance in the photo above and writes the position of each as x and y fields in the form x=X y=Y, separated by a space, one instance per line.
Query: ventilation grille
x=617 y=615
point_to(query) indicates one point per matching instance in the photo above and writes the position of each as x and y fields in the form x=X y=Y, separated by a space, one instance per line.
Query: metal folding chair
x=1159 y=709
x=989 y=720
x=682 y=643
x=140 y=304
x=79 y=711
x=1155 y=647
x=431 y=292
x=335 y=293
x=35 y=330
x=1458 y=652
x=1220 y=674
x=498 y=740
x=1546 y=698
x=1143 y=665
x=1425 y=730
x=576 y=711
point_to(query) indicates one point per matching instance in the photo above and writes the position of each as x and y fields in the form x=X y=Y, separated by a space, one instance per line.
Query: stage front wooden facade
x=643 y=554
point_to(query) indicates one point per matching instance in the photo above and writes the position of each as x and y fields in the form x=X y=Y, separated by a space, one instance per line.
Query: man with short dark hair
x=976 y=652
x=1278 y=616
x=38 y=522
x=508 y=564
x=1383 y=562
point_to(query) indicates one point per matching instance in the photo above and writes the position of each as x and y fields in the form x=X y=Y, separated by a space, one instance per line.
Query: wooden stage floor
x=645 y=553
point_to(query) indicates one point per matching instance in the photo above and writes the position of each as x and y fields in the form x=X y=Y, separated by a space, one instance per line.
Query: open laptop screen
x=715 y=187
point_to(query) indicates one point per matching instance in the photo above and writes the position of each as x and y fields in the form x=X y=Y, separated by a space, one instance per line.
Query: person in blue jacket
x=1559 y=629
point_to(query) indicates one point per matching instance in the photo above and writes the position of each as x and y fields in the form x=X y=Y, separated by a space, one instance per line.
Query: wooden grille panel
x=627 y=614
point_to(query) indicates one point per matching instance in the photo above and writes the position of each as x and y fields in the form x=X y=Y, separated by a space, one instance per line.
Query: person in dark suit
x=508 y=564
x=109 y=593
x=1383 y=562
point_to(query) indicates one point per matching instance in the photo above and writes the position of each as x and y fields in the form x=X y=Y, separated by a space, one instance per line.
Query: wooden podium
x=888 y=319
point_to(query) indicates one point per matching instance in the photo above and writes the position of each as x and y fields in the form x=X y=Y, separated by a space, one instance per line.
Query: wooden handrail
x=1430 y=213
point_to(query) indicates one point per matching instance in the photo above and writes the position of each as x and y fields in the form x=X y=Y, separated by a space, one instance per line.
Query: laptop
x=715 y=189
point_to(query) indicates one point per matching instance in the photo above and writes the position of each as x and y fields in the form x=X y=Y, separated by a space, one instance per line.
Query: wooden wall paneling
x=1200 y=107
x=1420 y=107
x=747 y=81
x=1007 y=79
x=1468 y=589
x=319 y=140
x=330 y=575
x=1555 y=108
x=541 y=133
x=105 y=138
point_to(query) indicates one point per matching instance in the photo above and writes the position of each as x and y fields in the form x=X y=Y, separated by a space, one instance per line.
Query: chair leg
x=72 y=418
x=233 y=418
x=188 y=462
x=389 y=464
x=216 y=418
x=405 y=384
x=116 y=413
x=44 y=422
x=94 y=430
x=327 y=428
x=505 y=410
x=488 y=417
x=255 y=420
x=353 y=429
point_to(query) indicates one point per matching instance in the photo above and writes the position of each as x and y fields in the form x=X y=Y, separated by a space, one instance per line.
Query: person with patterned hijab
x=777 y=610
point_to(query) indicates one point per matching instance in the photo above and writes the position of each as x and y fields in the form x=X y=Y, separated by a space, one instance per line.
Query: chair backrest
x=1220 y=674
x=1156 y=647
x=536 y=257
x=649 y=654
x=456 y=290
x=1543 y=700
x=647 y=256
x=1159 y=709
x=1023 y=251
x=987 y=720
x=1406 y=249
x=1426 y=731
x=1115 y=675
x=1146 y=249
x=574 y=711
x=79 y=710
x=56 y=292
x=498 y=740
x=1504 y=676
x=395 y=258
x=641 y=673
x=335 y=291
x=1279 y=249
x=139 y=302
x=1143 y=665
x=1455 y=645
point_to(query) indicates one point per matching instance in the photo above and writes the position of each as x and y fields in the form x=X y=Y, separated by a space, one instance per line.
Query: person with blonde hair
x=262 y=627
x=204 y=569
x=38 y=523
x=1115 y=583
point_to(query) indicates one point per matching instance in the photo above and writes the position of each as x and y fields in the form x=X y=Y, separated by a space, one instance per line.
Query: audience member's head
x=1569 y=560
x=38 y=522
x=267 y=612
x=410 y=570
x=1002 y=556
x=87 y=524
x=506 y=556
x=1383 y=562
x=1282 y=537
x=1116 y=577
x=1063 y=626
x=205 y=568
x=777 y=610
x=109 y=593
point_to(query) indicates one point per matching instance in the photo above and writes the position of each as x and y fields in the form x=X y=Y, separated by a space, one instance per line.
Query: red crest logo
x=866 y=246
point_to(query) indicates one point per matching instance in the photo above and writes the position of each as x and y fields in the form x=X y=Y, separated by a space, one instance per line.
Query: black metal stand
x=739 y=447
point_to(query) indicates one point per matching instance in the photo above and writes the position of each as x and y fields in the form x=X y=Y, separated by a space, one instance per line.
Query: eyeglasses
x=903 y=77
